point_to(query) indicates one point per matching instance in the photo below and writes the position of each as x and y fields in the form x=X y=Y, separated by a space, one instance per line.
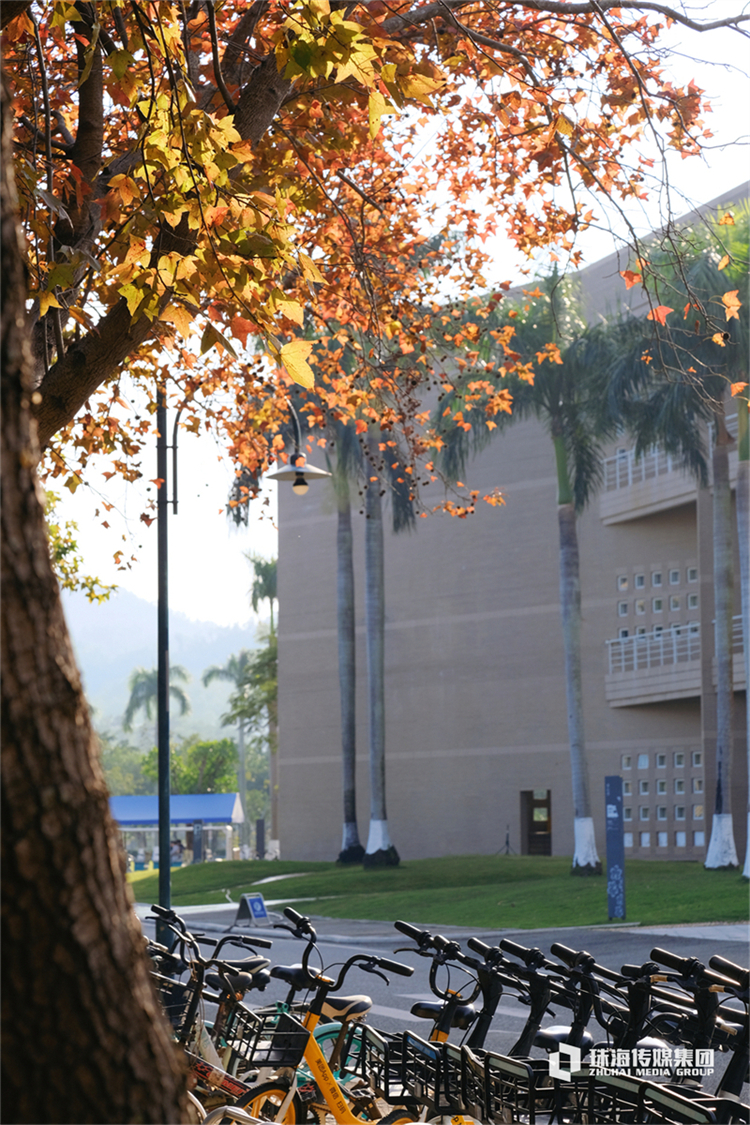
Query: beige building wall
x=475 y=696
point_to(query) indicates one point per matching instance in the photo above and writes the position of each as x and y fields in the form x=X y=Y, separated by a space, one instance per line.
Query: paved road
x=612 y=946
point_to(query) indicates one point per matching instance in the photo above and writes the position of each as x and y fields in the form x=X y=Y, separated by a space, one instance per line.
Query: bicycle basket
x=275 y=1040
x=174 y=997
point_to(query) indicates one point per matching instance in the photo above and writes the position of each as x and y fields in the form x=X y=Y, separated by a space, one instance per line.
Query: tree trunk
x=242 y=786
x=743 y=535
x=585 y=857
x=351 y=848
x=721 y=847
x=380 y=852
x=83 y=1040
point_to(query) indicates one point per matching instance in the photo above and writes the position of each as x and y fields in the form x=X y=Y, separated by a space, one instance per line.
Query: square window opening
x=656 y=578
x=674 y=578
x=680 y=839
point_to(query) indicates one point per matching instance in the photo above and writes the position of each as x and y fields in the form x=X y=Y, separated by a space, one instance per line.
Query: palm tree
x=262 y=589
x=347 y=462
x=264 y=582
x=384 y=476
x=668 y=398
x=566 y=397
x=235 y=671
x=143 y=687
x=743 y=535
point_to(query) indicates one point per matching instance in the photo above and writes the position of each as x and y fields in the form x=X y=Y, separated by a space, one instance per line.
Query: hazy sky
x=208 y=575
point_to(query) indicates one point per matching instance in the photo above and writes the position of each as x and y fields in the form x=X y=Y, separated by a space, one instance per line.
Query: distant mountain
x=113 y=638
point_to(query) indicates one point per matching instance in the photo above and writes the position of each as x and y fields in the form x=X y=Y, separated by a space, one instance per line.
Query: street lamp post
x=162 y=702
x=163 y=935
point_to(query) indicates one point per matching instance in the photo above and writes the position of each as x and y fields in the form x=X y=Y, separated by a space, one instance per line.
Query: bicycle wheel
x=397 y=1117
x=265 y=1101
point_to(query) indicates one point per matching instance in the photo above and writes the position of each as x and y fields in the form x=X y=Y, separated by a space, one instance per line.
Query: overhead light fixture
x=297 y=470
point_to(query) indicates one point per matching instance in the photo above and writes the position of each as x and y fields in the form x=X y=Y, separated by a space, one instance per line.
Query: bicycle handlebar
x=729 y=969
x=479 y=947
x=685 y=966
x=421 y=937
x=395 y=967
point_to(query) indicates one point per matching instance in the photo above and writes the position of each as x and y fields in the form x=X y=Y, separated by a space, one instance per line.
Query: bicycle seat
x=551 y=1037
x=294 y=975
x=463 y=1017
x=249 y=964
x=238 y=982
x=346 y=1007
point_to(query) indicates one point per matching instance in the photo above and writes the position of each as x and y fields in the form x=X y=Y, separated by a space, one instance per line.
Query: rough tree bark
x=79 y=1012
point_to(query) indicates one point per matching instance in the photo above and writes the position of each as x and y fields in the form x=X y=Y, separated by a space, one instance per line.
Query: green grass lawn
x=494 y=892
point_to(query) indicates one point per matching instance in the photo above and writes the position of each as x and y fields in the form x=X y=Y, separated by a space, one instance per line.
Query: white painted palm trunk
x=722 y=851
x=585 y=855
x=378 y=839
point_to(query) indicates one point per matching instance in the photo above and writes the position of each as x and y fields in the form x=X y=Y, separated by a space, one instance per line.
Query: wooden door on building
x=536 y=822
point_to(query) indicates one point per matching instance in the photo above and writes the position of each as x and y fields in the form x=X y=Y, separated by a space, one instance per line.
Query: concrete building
x=477 y=740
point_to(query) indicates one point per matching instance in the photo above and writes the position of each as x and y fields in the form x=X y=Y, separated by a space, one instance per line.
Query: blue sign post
x=615 y=848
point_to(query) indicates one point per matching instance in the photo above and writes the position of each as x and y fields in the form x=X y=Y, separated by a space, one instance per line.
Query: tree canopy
x=214 y=194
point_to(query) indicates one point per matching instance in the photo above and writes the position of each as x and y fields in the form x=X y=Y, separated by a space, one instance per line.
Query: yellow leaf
x=718 y=338
x=309 y=270
x=378 y=108
x=181 y=318
x=731 y=304
x=564 y=126
x=724 y=262
x=48 y=300
x=419 y=86
x=727 y=220
x=294 y=357
x=291 y=309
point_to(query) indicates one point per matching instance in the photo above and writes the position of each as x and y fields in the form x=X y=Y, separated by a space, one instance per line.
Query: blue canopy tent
x=184 y=808
x=209 y=810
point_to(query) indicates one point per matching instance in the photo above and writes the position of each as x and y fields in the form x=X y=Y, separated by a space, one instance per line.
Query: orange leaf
x=724 y=262
x=732 y=304
x=727 y=219
x=738 y=388
x=660 y=313
x=631 y=278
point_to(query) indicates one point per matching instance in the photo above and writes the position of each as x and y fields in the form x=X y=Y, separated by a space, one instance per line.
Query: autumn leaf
x=631 y=278
x=294 y=357
x=738 y=388
x=660 y=313
x=724 y=262
x=727 y=219
x=378 y=107
x=719 y=338
x=731 y=304
x=212 y=337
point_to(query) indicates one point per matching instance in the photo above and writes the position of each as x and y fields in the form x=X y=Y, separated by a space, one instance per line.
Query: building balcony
x=639 y=486
x=654 y=667
x=659 y=666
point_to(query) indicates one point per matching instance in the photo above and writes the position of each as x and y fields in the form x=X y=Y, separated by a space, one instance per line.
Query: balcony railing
x=676 y=645
x=655 y=650
x=625 y=469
